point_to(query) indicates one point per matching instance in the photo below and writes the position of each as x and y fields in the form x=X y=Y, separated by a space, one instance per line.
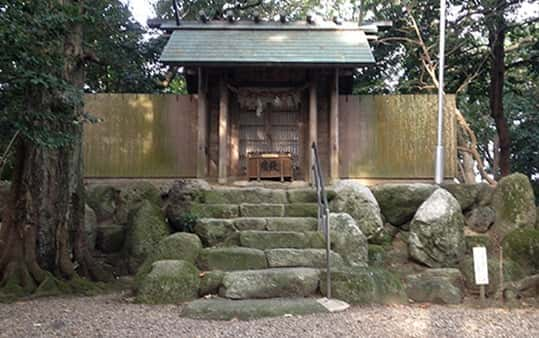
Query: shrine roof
x=218 y=43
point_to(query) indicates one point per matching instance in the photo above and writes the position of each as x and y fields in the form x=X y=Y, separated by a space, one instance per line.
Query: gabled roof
x=249 y=43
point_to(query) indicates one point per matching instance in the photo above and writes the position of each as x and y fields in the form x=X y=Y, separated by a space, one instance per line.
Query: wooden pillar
x=313 y=125
x=202 y=127
x=223 y=131
x=334 y=129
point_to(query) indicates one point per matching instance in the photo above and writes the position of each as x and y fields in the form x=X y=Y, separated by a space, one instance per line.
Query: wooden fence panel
x=394 y=136
x=141 y=136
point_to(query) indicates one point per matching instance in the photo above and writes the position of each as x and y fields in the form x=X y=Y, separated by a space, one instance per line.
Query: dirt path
x=112 y=316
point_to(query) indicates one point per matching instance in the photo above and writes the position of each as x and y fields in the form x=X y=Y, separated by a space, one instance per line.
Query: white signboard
x=480 y=265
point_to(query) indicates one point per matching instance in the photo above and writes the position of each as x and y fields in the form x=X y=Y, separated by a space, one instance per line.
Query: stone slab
x=233 y=258
x=291 y=224
x=272 y=239
x=261 y=210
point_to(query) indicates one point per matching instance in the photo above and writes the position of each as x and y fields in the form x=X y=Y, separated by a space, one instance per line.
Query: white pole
x=439 y=161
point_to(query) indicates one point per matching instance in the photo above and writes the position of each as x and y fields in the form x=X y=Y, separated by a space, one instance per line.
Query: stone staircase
x=260 y=243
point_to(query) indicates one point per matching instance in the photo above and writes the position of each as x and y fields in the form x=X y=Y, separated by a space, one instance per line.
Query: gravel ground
x=113 y=316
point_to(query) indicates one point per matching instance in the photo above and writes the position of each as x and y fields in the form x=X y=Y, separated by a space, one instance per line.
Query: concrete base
x=333 y=305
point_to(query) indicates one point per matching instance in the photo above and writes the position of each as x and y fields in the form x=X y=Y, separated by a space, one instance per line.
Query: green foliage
x=188 y=222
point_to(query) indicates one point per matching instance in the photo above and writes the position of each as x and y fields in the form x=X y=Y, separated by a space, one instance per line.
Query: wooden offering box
x=269 y=166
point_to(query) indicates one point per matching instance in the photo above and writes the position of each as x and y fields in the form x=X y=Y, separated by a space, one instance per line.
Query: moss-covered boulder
x=441 y=286
x=514 y=202
x=399 y=202
x=358 y=201
x=474 y=240
x=179 y=246
x=233 y=258
x=310 y=258
x=132 y=195
x=301 y=210
x=364 y=286
x=511 y=272
x=522 y=246
x=146 y=228
x=377 y=255
x=181 y=197
x=90 y=225
x=466 y=194
x=103 y=199
x=272 y=239
x=110 y=238
x=214 y=231
x=210 y=282
x=480 y=219
x=437 y=231
x=348 y=240
x=261 y=210
x=169 y=282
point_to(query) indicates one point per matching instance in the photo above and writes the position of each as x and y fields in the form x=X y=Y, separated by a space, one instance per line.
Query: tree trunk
x=497 y=27
x=44 y=227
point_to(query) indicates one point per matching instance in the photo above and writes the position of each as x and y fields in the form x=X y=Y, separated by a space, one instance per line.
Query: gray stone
x=441 y=286
x=233 y=258
x=272 y=239
x=220 y=195
x=103 y=200
x=399 y=202
x=437 y=231
x=466 y=194
x=261 y=210
x=485 y=194
x=181 y=197
x=480 y=219
x=358 y=201
x=348 y=240
x=213 y=231
x=364 y=286
x=146 y=228
x=307 y=195
x=90 y=225
x=169 y=281
x=249 y=309
x=514 y=202
x=210 y=282
x=179 y=246
x=301 y=210
x=110 y=238
x=291 y=224
x=249 y=223
x=511 y=272
x=270 y=283
x=311 y=258
x=214 y=210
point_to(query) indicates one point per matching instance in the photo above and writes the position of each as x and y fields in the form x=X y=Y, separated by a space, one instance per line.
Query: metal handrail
x=323 y=210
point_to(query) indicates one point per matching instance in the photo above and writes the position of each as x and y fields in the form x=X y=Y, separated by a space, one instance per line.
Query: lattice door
x=271 y=131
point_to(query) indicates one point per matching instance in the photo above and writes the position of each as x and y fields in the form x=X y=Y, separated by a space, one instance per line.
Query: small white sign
x=480 y=265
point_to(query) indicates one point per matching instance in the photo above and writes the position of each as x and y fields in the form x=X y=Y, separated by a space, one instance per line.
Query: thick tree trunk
x=497 y=27
x=44 y=227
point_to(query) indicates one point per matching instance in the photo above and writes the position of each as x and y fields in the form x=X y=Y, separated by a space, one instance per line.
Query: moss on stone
x=131 y=197
x=214 y=231
x=102 y=199
x=377 y=255
x=214 y=210
x=522 y=246
x=169 y=282
x=301 y=210
x=511 y=271
x=272 y=239
x=261 y=210
x=210 y=281
x=234 y=258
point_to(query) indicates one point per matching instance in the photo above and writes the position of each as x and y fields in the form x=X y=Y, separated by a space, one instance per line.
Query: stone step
x=232 y=258
x=236 y=195
x=270 y=283
x=249 y=309
x=299 y=224
x=254 y=210
x=281 y=239
x=311 y=258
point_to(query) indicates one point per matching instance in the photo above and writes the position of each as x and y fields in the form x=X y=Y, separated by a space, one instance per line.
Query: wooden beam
x=223 y=131
x=202 y=127
x=334 y=128
x=313 y=124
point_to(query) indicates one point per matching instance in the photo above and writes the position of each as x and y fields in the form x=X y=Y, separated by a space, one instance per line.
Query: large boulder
x=169 y=281
x=146 y=228
x=103 y=199
x=437 y=231
x=480 y=219
x=522 y=246
x=441 y=286
x=90 y=226
x=179 y=246
x=347 y=240
x=311 y=258
x=364 y=286
x=466 y=194
x=131 y=196
x=514 y=202
x=110 y=238
x=213 y=231
x=229 y=259
x=181 y=197
x=358 y=201
x=511 y=272
x=399 y=202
